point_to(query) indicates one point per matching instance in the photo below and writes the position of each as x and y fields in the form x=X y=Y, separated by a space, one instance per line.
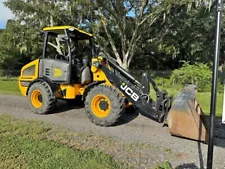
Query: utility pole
x=214 y=84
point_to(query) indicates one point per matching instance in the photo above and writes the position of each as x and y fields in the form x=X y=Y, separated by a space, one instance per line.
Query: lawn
x=25 y=144
x=9 y=86
x=204 y=101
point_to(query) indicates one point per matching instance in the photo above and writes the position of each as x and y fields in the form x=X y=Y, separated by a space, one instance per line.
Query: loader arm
x=132 y=89
x=184 y=118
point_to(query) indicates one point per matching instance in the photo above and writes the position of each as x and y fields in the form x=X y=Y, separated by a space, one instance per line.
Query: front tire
x=104 y=105
x=40 y=98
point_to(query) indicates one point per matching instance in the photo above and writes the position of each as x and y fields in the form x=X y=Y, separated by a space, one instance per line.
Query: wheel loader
x=70 y=69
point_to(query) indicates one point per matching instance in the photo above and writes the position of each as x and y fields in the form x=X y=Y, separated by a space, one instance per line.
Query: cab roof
x=73 y=31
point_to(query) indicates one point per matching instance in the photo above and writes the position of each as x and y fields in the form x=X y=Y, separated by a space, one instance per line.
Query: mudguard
x=54 y=87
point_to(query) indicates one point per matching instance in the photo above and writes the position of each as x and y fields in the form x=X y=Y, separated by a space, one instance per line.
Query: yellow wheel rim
x=97 y=109
x=36 y=99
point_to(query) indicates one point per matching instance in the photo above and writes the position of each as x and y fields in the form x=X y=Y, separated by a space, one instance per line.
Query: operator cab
x=67 y=52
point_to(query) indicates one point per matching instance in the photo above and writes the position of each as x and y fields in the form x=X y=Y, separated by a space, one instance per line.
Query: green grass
x=164 y=165
x=25 y=144
x=204 y=101
x=9 y=87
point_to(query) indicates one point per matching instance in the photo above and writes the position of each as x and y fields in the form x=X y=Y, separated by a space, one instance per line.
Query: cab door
x=55 y=63
x=56 y=70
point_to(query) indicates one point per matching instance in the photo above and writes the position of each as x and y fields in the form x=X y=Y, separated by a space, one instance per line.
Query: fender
x=54 y=87
x=88 y=88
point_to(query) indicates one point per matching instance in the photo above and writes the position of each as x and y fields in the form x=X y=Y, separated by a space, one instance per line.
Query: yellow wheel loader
x=70 y=69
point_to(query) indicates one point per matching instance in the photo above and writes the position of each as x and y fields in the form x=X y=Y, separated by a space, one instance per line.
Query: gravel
x=137 y=141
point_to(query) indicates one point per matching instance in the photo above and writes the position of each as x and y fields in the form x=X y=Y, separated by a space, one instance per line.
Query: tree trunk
x=124 y=65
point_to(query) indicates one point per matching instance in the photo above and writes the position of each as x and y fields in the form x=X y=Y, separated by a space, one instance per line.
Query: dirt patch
x=181 y=155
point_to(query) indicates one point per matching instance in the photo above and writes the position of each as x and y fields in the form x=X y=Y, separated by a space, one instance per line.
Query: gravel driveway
x=138 y=141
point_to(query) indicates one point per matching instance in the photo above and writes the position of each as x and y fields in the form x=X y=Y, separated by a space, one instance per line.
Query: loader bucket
x=185 y=118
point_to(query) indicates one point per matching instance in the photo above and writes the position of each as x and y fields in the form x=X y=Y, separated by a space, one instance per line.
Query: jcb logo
x=57 y=72
x=129 y=91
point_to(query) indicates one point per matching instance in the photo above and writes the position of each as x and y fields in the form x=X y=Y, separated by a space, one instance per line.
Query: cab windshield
x=58 y=47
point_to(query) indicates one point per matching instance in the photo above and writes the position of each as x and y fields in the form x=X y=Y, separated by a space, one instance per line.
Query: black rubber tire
x=48 y=102
x=117 y=105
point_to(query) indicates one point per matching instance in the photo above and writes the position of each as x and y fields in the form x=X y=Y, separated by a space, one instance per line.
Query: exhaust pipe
x=185 y=118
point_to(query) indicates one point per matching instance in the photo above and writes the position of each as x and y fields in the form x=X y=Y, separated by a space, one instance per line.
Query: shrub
x=199 y=74
x=162 y=82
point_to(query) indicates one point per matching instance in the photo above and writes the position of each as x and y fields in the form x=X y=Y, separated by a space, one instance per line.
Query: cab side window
x=56 y=48
x=51 y=50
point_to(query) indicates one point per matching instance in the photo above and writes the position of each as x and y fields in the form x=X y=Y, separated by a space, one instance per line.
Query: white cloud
x=5 y=13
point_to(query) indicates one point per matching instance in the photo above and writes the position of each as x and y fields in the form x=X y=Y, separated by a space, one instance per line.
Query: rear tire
x=104 y=105
x=40 y=98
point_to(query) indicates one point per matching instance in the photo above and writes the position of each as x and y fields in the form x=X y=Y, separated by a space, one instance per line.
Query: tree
x=11 y=57
x=184 y=34
x=125 y=23
x=120 y=26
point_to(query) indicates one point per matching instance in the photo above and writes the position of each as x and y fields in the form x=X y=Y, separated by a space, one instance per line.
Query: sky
x=5 y=14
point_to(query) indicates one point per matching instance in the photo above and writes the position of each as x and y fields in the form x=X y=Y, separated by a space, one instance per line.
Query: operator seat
x=86 y=75
x=81 y=69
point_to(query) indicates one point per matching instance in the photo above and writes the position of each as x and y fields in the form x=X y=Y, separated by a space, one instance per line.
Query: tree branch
x=111 y=40
x=132 y=50
x=144 y=4
x=120 y=27
x=57 y=47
